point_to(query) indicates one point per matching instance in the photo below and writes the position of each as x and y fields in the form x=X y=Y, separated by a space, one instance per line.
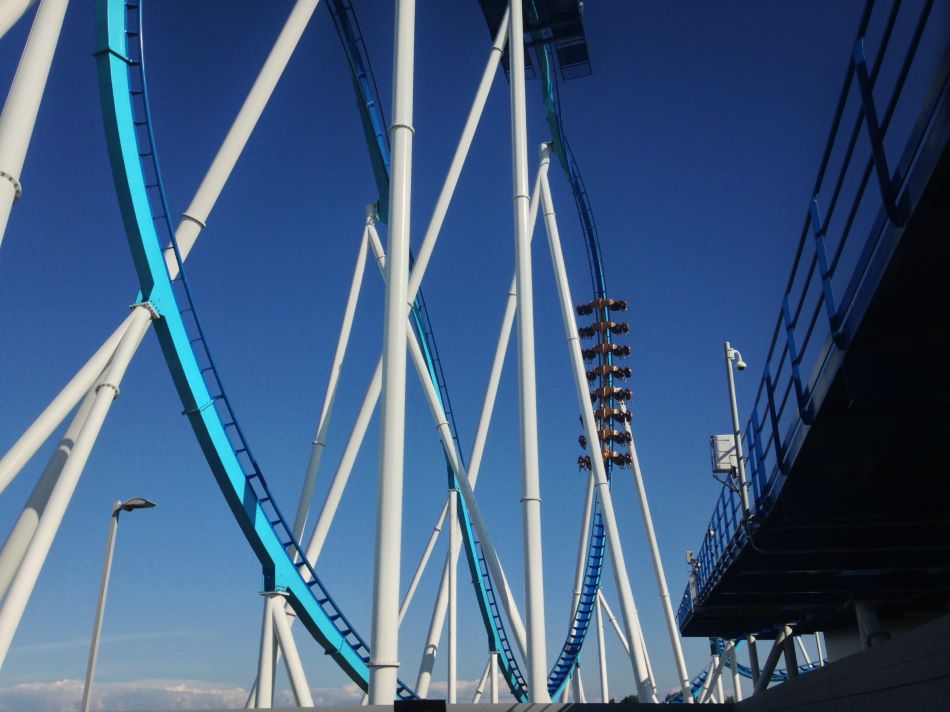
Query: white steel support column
x=106 y=391
x=285 y=637
x=265 y=669
x=455 y=536
x=420 y=569
x=23 y=100
x=320 y=439
x=621 y=636
x=664 y=591
x=581 y=566
x=493 y=664
x=480 y=687
x=645 y=687
x=821 y=654
x=527 y=396
x=196 y=216
x=384 y=663
x=579 y=685
x=19 y=539
x=602 y=653
x=10 y=12
x=431 y=649
x=54 y=414
x=736 y=680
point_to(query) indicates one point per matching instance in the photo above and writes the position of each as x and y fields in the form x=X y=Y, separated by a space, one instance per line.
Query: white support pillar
x=23 y=100
x=804 y=651
x=436 y=623
x=480 y=687
x=265 y=669
x=22 y=533
x=664 y=591
x=420 y=569
x=821 y=653
x=10 y=12
x=581 y=567
x=621 y=636
x=195 y=217
x=720 y=694
x=295 y=671
x=384 y=664
x=736 y=680
x=493 y=663
x=455 y=536
x=54 y=414
x=602 y=654
x=527 y=396
x=579 y=685
x=106 y=391
x=320 y=439
x=645 y=687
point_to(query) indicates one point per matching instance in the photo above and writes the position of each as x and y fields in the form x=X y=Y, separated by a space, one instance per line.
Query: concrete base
x=908 y=672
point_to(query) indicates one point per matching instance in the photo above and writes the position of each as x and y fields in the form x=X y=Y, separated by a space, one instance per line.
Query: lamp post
x=733 y=355
x=120 y=506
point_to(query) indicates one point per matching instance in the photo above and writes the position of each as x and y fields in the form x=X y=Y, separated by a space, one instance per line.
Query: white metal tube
x=821 y=654
x=720 y=694
x=602 y=654
x=100 y=607
x=420 y=569
x=664 y=591
x=47 y=421
x=736 y=680
x=23 y=101
x=431 y=649
x=612 y=619
x=265 y=670
x=195 y=217
x=765 y=677
x=10 y=12
x=384 y=663
x=342 y=474
x=458 y=160
x=493 y=662
x=19 y=539
x=455 y=535
x=801 y=646
x=107 y=390
x=480 y=687
x=645 y=685
x=295 y=671
x=320 y=439
x=581 y=566
x=579 y=685
x=527 y=386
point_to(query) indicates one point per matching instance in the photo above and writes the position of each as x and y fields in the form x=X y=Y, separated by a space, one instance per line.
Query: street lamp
x=733 y=355
x=120 y=506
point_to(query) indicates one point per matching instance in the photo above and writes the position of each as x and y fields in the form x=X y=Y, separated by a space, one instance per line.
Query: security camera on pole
x=733 y=355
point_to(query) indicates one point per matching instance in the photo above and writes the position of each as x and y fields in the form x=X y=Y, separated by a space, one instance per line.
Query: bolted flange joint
x=17 y=188
x=115 y=389
x=149 y=307
x=376 y=664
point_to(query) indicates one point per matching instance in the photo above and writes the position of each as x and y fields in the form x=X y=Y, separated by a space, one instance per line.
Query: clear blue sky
x=699 y=134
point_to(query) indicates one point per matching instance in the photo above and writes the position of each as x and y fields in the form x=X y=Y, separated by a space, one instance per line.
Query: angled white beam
x=480 y=687
x=285 y=637
x=581 y=566
x=645 y=687
x=54 y=414
x=195 y=217
x=35 y=556
x=420 y=569
x=320 y=439
x=26 y=92
x=663 y=589
x=10 y=12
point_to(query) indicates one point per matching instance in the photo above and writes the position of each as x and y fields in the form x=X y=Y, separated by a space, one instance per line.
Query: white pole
x=645 y=686
x=106 y=391
x=671 y=628
x=801 y=646
x=602 y=654
x=736 y=430
x=195 y=217
x=434 y=636
x=621 y=636
x=47 y=421
x=736 y=680
x=493 y=663
x=720 y=694
x=385 y=628
x=480 y=688
x=100 y=608
x=704 y=690
x=10 y=12
x=579 y=685
x=295 y=671
x=581 y=567
x=320 y=439
x=23 y=101
x=426 y=554
x=821 y=654
x=454 y=537
x=265 y=668
x=527 y=396
x=19 y=539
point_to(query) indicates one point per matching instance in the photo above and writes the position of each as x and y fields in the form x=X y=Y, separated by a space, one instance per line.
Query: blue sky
x=699 y=134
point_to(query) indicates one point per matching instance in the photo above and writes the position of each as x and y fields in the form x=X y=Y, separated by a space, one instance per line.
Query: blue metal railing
x=824 y=297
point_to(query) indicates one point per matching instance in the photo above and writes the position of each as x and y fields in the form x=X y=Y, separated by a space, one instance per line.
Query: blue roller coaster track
x=147 y=219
